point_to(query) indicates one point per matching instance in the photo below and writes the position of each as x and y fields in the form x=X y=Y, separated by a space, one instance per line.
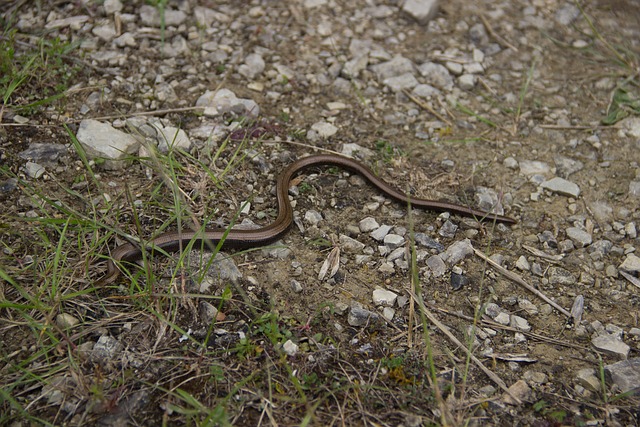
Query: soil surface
x=529 y=108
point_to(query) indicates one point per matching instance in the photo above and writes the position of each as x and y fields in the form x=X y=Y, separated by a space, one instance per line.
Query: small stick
x=561 y=127
x=495 y=35
x=519 y=280
x=141 y=113
x=427 y=107
x=495 y=378
x=631 y=279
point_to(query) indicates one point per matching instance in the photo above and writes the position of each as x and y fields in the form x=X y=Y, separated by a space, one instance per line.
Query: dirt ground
x=146 y=350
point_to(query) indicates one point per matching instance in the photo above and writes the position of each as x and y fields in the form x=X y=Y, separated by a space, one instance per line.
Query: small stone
x=324 y=129
x=313 y=217
x=350 y=244
x=397 y=66
x=383 y=297
x=536 y=377
x=368 y=224
x=610 y=345
x=519 y=323
x=426 y=241
x=253 y=66
x=208 y=312
x=437 y=265
x=579 y=237
x=492 y=310
x=436 y=75
x=312 y=4
x=510 y=163
x=448 y=229
x=66 y=320
x=421 y=10
x=467 y=81
x=561 y=186
x=112 y=6
x=634 y=188
x=625 y=374
x=33 y=170
x=290 y=348
x=631 y=264
x=566 y=14
x=528 y=306
x=586 y=377
x=296 y=286
x=560 y=276
x=522 y=263
x=360 y=317
x=458 y=281
x=566 y=166
x=106 y=349
x=393 y=241
x=457 y=252
x=402 y=82
x=520 y=390
x=388 y=313
x=502 y=318
x=224 y=101
x=534 y=167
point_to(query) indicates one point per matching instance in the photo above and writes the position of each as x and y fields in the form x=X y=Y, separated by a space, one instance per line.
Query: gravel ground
x=184 y=114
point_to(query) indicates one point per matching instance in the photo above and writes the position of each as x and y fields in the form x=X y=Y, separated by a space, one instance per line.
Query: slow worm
x=173 y=241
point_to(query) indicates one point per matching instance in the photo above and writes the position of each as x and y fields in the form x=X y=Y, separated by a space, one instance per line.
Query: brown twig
x=427 y=107
x=495 y=378
x=519 y=280
x=495 y=35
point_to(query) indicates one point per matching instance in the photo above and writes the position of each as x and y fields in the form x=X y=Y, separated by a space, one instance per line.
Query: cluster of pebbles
x=339 y=71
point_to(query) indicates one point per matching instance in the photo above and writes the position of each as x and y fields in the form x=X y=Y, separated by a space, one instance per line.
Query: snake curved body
x=173 y=241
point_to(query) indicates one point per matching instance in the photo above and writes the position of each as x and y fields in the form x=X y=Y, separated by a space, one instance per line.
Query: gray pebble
x=313 y=217
x=350 y=244
x=631 y=264
x=368 y=224
x=380 y=233
x=33 y=170
x=106 y=349
x=533 y=167
x=383 y=297
x=611 y=345
x=579 y=237
x=448 y=229
x=457 y=252
x=426 y=241
x=44 y=152
x=421 y=10
x=625 y=374
x=393 y=241
x=458 y=281
x=560 y=276
x=436 y=75
x=360 y=317
x=561 y=186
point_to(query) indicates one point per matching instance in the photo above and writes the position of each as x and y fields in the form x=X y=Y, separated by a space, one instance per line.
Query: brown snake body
x=173 y=241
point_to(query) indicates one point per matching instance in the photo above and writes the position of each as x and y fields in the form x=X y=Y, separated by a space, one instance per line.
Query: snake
x=237 y=238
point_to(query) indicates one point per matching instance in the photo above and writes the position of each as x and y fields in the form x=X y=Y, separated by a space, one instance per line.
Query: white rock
x=66 y=320
x=290 y=348
x=421 y=10
x=101 y=140
x=631 y=264
x=112 y=6
x=561 y=186
x=384 y=297
x=324 y=129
